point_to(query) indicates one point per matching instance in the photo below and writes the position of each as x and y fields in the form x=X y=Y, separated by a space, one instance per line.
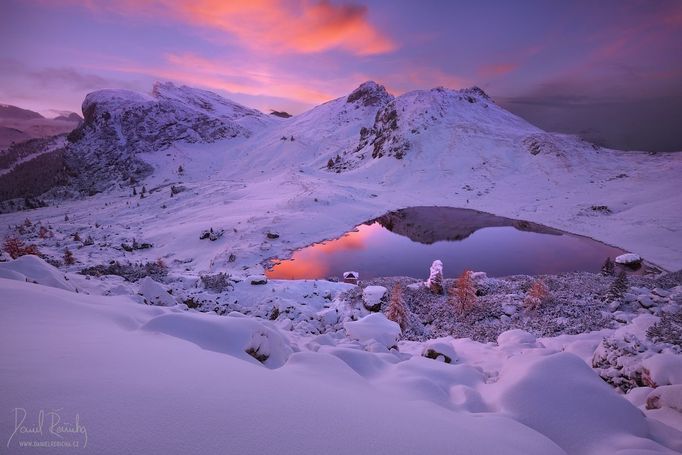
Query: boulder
x=442 y=352
x=257 y=279
x=373 y=297
x=646 y=301
x=629 y=259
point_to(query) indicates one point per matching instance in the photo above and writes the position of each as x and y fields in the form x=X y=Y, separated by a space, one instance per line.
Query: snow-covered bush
x=668 y=330
x=435 y=281
x=217 y=283
x=616 y=361
x=131 y=272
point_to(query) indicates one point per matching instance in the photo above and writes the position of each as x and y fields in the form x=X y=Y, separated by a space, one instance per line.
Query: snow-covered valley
x=161 y=333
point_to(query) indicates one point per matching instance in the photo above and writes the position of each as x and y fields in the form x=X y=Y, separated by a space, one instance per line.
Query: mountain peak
x=475 y=90
x=369 y=94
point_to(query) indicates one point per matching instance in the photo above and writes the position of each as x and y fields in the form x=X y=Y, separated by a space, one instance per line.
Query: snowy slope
x=157 y=380
x=462 y=151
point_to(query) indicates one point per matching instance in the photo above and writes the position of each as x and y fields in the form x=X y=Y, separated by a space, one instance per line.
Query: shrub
x=68 y=257
x=463 y=296
x=536 y=296
x=217 y=283
x=191 y=303
x=130 y=272
x=44 y=233
x=396 y=310
x=15 y=247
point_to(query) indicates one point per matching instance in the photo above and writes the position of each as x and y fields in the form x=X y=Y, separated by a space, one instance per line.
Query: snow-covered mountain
x=369 y=150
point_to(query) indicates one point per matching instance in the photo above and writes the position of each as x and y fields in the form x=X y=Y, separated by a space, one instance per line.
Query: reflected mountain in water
x=428 y=225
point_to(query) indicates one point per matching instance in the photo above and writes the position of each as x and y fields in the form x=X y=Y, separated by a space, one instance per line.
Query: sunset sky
x=609 y=70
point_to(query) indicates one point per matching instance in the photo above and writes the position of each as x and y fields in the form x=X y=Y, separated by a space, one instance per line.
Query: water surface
x=406 y=242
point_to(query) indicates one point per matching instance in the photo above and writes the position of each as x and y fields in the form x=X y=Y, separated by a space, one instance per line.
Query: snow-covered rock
x=628 y=259
x=669 y=396
x=664 y=369
x=373 y=297
x=645 y=300
x=440 y=351
x=257 y=279
x=329 y=316
x=374 y=326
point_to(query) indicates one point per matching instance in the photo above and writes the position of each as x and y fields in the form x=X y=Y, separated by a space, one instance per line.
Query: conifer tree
x=396 y=310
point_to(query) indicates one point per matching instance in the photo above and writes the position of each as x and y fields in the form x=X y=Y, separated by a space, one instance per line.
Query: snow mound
x=240 y=337
x=375 y=327
x=154 y=293
x=516 y=338
x=593 y=418
x=34 y=269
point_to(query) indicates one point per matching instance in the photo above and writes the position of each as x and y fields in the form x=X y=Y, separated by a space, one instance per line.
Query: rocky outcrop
x=120 y=124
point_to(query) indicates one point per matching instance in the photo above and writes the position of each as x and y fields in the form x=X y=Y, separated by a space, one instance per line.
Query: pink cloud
x=276 y=26
x=497 y=69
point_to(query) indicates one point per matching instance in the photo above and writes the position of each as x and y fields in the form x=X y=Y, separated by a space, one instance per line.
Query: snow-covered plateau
x=134 y=307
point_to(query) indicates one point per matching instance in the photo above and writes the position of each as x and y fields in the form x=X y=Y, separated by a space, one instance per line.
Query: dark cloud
x=64 y=87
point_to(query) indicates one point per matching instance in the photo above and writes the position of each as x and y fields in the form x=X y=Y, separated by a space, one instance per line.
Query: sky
x=608 y=70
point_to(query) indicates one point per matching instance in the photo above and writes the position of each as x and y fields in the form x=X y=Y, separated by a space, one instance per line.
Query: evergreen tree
x=608 y=269
x=619 y=287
